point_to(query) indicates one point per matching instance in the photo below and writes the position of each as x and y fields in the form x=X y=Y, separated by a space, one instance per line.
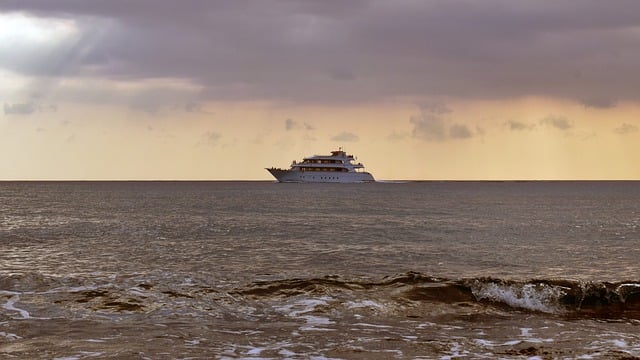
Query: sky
x=415 y=89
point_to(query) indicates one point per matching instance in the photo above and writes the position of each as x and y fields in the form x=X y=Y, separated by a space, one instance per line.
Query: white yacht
x=335 y=168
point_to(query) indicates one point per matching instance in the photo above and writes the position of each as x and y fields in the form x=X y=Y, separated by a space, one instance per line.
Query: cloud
x=309 y=138
x=28 y=108
x=291 y=124
x=430 y=125
x=435 y=108
x=458 y=131
x=428 y=128
x=558 y=122
x=20 y=108
x=340 y=51
x=433 y=124
x=395 y=136
x=149 y=95
x=346 y=137
x=195 y=107
x=519 y=125
x=210 y=138
x=599 y=103
x=625 y=129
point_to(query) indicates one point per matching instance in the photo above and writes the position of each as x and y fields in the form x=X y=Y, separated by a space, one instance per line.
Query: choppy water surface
x=201 y=270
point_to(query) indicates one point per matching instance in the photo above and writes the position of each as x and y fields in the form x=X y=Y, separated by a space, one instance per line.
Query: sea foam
x=536 y=297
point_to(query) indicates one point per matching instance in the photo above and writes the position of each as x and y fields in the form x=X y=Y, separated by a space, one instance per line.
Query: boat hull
x=292 y=176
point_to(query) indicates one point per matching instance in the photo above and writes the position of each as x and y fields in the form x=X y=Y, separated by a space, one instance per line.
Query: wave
x=137 y=293
x=567 y=298
x=571 y=298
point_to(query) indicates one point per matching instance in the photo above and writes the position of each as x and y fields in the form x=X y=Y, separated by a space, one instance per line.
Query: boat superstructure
x=339 y=167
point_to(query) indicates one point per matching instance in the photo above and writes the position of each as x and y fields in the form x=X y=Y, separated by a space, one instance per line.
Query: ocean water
x=415 y=270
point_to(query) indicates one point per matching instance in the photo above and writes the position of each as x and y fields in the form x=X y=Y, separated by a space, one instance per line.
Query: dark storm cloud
x=349 y=51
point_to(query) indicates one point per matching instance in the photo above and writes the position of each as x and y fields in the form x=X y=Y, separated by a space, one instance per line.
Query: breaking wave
x=556 y=297
x=567 y=298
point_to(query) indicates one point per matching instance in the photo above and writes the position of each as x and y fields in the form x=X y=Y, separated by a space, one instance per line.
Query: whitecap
x=9 y=306
x=538 y=297
x=302 y=306
x=9 y=336
x=81 y=355
x=363 y=304
x=317 y=320
x=484 y=342
x=373 y=325
x=511 y=342
x=255 y=351
x=314 y=328
x=287 y=353
x=619 y=343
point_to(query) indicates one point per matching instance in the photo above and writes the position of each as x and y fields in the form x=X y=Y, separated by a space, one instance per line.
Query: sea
x=265 y=270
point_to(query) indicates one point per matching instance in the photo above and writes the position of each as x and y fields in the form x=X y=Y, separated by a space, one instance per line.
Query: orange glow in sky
x=416 y=90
